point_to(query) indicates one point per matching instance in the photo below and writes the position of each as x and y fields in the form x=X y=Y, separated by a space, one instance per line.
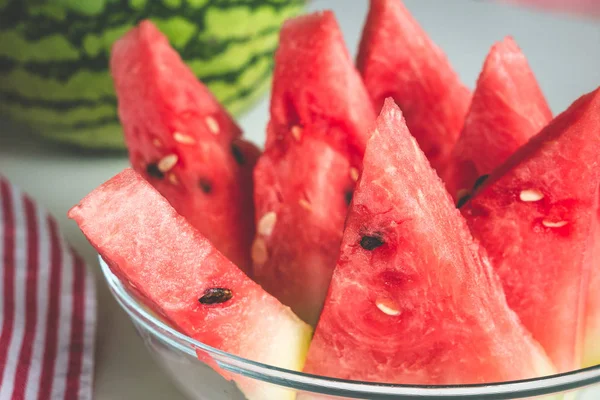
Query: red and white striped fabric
x=47 y=307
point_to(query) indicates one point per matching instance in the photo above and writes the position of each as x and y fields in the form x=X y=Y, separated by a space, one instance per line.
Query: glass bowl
x=177 y=353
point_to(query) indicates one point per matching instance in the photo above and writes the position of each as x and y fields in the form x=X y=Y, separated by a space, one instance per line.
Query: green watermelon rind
x=66 y=95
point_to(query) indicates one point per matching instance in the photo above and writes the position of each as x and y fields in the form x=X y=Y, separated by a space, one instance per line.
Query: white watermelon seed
x=354 y=174
x=183 y=139
x=388 y=307
x=259 y=251
x=173 y=179
x=305 y=204
x=297 y=132
x=554 y=224
x=156 y=143
x=531 y=195
x=267 y=223
x=212 y=124
x=167 y=162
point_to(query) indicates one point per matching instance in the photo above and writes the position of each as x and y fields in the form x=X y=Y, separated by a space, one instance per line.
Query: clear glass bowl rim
x=338 y=387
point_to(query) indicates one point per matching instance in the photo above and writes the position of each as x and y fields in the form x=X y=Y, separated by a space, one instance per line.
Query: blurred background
x=562 y=48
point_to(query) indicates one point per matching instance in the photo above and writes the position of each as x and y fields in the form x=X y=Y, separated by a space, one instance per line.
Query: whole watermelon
x=54 y=57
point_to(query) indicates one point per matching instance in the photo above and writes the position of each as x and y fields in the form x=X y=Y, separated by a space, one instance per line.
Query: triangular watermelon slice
x=413 y=298
x=536 y=216
x=320 y=119
x=317 y=91
x=507 y=109
x=184 y=142
x=397 y=59
x=180 y=275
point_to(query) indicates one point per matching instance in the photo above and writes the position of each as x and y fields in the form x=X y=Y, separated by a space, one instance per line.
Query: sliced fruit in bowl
x=495 y=295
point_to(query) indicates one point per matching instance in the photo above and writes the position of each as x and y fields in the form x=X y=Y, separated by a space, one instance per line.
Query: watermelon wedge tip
x=507 y=109
x=184 y=142
x=397 y=59
x=316 y=89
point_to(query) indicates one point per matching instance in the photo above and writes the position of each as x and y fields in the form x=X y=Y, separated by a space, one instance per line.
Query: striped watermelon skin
x=54 y=58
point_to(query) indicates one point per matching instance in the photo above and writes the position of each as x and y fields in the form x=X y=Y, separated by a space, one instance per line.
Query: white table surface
x=563 y=52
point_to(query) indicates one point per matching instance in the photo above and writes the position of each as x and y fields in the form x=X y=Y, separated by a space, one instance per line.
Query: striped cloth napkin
x=47 y=307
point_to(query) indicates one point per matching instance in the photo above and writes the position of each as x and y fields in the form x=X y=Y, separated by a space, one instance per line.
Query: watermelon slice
x=536 y=217
x=508 y=108
x=184 y=142
x=316 y=89
x=180 y=275
x=397 y=59
x=413 y=298
x=302 y=196
x=320 y=118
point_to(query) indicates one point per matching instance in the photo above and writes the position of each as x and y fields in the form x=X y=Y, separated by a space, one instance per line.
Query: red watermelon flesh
x=180 y=275
x=413 y=298
x=184 y=142
x=316 y=87
x=507 y=109
x=591 y=346
x=397 y=59
x=536 y=217
x=302 y=194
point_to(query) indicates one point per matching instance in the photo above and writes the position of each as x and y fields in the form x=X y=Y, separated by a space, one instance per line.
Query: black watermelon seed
x=154 y=172
x=205 y=185
x=371 y=242
x=463 y=200
x=348 y=197
x=237 y=154
x=480 y=181
x=215 y=296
